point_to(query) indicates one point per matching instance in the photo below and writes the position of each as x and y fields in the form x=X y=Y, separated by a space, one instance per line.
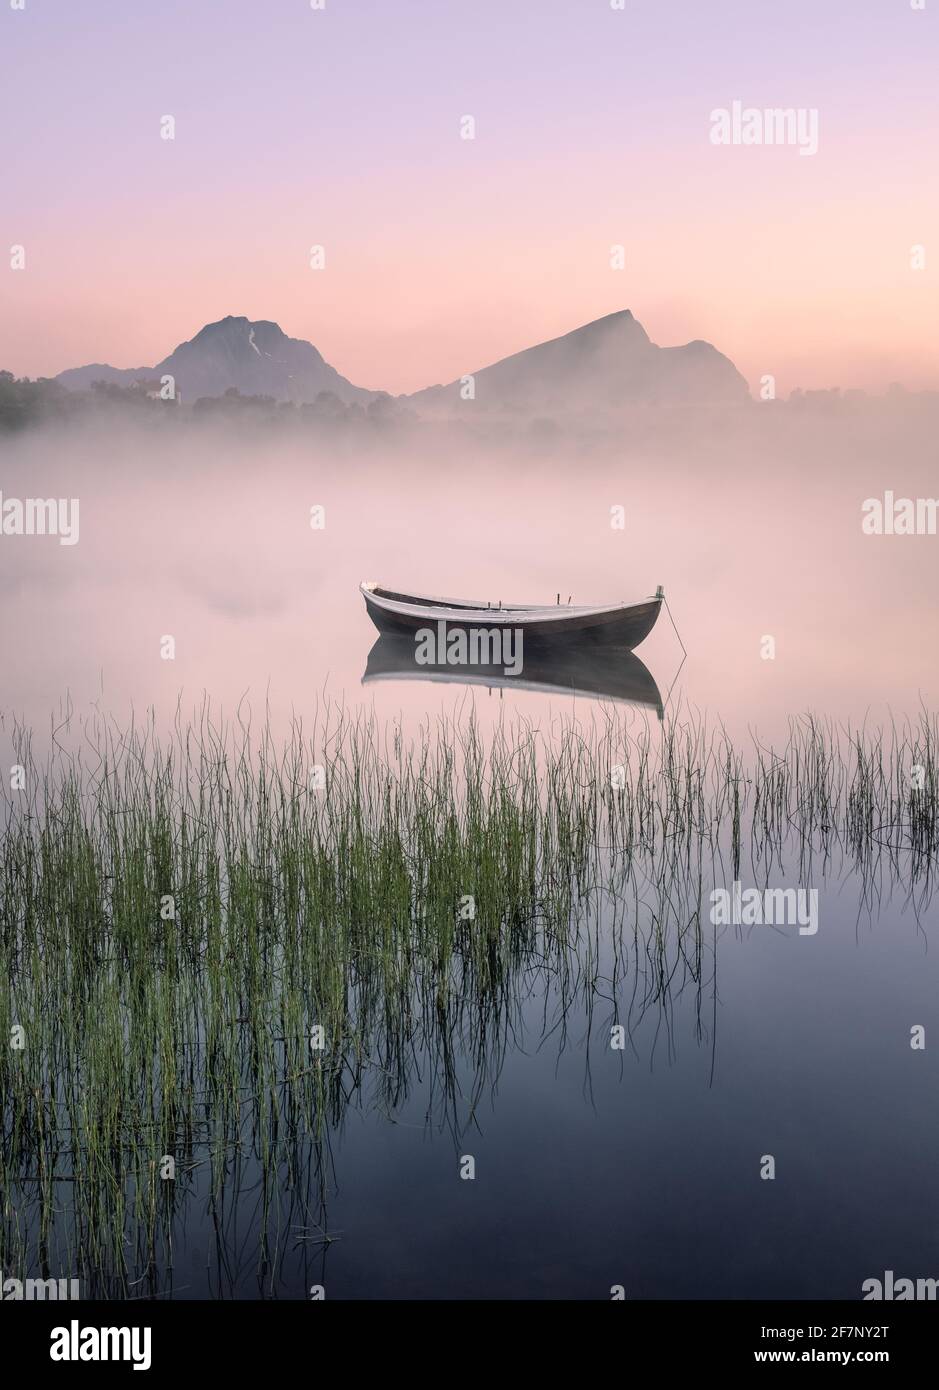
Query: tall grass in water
x=178 y=915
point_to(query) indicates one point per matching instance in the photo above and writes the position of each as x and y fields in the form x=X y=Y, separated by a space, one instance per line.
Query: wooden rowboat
x=618 y=624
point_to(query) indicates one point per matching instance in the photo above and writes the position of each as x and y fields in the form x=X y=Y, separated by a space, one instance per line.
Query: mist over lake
x=204 y=533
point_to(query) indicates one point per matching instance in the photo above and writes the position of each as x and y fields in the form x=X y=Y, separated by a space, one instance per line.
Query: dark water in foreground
x=596 y=1167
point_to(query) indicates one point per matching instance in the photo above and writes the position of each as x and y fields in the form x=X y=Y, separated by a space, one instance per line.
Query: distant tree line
x=25 y=403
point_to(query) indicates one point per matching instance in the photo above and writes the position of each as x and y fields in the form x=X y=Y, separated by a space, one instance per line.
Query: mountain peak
x=256 y=357
x=234 y=324
x=609 y=362
x=253 y=356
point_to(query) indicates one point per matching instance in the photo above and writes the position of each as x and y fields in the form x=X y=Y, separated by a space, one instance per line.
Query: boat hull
x=619 y=625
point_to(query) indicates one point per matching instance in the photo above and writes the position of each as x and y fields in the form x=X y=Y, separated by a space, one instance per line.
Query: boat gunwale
x=430 y=607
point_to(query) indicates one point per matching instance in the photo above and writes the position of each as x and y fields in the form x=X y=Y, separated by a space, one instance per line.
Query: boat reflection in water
x=590 y=668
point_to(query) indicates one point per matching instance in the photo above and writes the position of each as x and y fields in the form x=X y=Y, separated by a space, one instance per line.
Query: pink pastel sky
x=341 y=127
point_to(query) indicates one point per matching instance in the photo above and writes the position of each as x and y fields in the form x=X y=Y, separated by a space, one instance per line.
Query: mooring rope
x=684 y=656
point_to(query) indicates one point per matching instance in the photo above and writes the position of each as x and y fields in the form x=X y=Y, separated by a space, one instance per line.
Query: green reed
x=179 y=914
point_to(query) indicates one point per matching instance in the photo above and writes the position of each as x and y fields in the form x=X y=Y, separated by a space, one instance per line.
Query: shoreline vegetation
x=213 y=943
x=27 y=405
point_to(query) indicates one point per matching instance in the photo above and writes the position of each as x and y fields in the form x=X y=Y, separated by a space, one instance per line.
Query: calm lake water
x=594 y=1167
